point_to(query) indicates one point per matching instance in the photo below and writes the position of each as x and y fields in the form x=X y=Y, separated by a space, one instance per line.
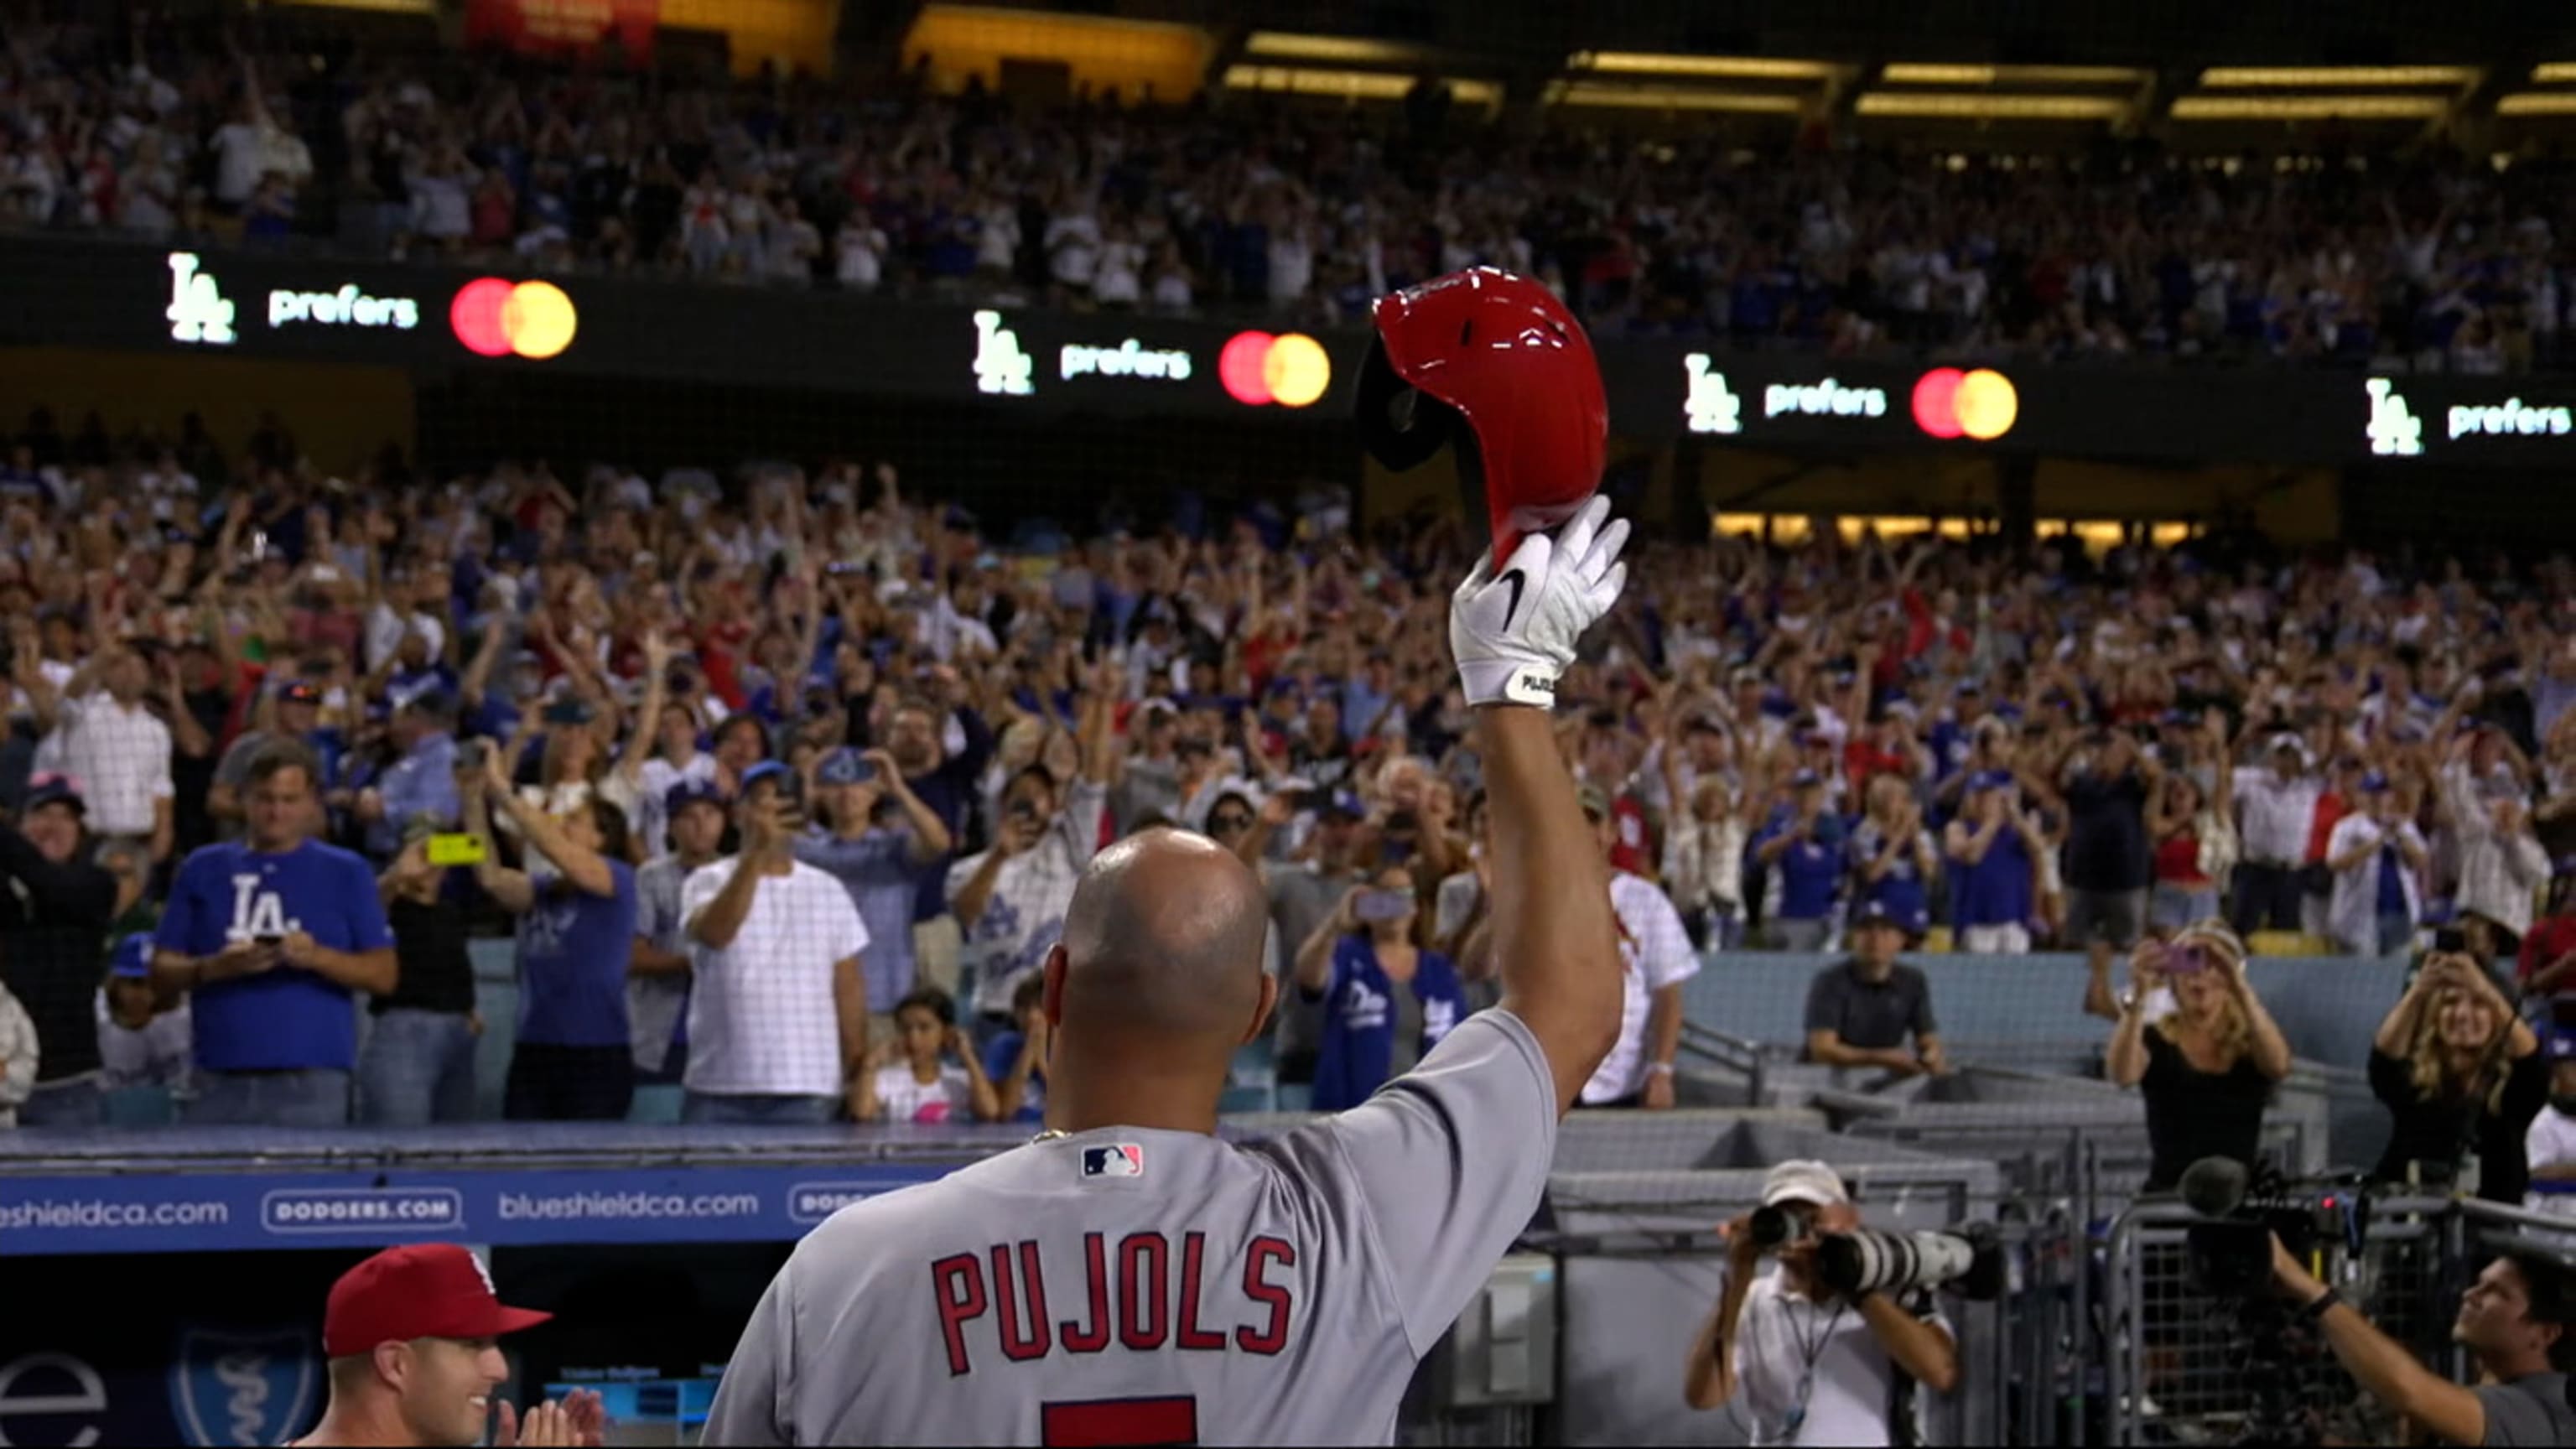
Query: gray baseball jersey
x=1124 y=1286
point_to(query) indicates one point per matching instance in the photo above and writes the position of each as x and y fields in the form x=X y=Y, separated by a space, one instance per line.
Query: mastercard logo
x=495 y=318
x=1949 y=403
x=1289 y=369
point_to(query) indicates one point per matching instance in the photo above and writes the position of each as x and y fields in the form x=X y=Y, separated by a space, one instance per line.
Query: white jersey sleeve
x=758 y=1384
x=1448 y=1161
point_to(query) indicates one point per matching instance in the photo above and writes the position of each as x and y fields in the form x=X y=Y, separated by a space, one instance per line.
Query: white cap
x=1803 y=1179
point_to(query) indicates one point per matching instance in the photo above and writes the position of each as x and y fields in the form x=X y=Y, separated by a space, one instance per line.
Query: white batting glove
x=1514 y=631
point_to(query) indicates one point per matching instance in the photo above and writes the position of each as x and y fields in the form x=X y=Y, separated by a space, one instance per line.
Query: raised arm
x=931 y=837
x=2124 y=1061
x=510 y=889
x=647 y=724
x=1314 y=967
x=1554 y=938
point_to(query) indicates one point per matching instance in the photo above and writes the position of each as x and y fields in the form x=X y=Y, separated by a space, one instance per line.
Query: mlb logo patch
x=1117 y=1159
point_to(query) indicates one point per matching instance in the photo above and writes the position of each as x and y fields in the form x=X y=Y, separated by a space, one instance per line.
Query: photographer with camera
x=2462 y=1078
x=2195 y=1040
x=2518 y=1322
x=1814 y=1366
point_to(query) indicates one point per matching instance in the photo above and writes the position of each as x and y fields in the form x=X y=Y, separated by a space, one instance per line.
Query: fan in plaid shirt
x=1010 y=900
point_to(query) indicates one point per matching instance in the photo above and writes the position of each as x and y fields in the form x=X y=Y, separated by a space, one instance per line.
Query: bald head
x=1163 y=940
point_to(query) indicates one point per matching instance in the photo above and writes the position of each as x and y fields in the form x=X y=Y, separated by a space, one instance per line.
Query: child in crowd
x=140 y=1044
x=2550 y=1143
x=938 y=1078
x=1015 y=1061
x=17 y=1056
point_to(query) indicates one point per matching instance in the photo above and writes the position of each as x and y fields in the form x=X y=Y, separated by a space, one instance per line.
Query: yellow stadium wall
x=797 y=34
x=1130 y=56
x=340 y=415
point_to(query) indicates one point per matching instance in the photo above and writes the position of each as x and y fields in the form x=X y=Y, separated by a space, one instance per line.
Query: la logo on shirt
x=1364 y=1008
x=258 y=912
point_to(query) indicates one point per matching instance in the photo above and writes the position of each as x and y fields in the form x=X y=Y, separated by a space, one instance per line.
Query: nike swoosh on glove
x=1514 y=631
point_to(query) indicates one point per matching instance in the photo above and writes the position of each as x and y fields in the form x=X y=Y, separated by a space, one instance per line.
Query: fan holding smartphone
x=2194 y=1036
x=1384 y=999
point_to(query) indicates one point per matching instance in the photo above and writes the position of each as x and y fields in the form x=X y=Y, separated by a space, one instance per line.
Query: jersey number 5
x=1082 y=1423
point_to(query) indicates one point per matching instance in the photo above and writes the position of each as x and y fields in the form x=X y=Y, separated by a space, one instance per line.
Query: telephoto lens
x=1869 y=1261
x=1771 y=1227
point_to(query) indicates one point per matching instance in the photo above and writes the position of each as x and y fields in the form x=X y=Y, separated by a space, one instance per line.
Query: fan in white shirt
x=1656 y=955
x=2550 y=1143
x=118 y=750
x=778 y=1015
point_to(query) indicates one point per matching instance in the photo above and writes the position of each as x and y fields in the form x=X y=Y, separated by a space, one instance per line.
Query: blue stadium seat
x=657 y=1105
x=145 y=1106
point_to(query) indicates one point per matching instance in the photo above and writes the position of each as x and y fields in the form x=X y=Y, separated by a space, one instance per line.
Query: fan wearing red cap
x=412 y=1338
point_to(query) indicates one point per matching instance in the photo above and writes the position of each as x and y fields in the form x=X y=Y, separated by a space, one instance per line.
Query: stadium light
x=1669 y=98
x=1929 y=73
x=1992 y=107
x=1344 y=49
x=2555 y=72
x=2537 y=103
x=1355 y=85
x=2299 y=77
x=1710 y=67
x=2308 y=108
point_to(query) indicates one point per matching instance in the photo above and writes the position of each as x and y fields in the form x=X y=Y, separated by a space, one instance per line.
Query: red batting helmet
x=1496 y=364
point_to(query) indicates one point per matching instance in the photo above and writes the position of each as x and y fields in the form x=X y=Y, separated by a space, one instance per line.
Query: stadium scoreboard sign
x=489 y=316
x=2472 y=419
x=431 y=321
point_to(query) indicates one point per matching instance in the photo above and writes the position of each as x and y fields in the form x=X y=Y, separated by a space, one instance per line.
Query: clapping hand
x=578 y=1419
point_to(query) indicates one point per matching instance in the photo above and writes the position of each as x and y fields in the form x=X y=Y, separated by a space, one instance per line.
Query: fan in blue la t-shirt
x=287 y=1018
x=1361 y=1015
x=573 y=953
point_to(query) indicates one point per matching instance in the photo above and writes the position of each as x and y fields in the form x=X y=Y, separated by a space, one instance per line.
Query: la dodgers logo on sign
x=1118 y=1159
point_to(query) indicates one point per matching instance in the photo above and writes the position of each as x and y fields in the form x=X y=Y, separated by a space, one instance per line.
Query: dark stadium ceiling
x=2214 y=73
x=2155 y=33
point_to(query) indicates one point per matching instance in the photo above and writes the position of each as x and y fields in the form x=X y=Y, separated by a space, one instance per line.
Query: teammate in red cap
x=411 y=1338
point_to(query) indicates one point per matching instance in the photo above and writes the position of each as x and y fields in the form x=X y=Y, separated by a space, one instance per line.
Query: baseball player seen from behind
x=1130 y=1278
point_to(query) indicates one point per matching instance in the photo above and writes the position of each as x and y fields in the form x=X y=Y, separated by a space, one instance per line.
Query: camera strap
x=1811 y=1347
x=1903 y=1432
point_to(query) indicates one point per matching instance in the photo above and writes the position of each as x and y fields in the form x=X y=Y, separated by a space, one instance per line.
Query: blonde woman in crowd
x=2195 y=1039
x=2462 y=1078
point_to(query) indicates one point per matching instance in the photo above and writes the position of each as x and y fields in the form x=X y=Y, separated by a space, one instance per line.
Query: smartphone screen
x=455 y=848
x=1383 y=905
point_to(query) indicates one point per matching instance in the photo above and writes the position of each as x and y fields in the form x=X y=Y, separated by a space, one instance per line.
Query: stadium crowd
x=719 y=754
x=2435 y=262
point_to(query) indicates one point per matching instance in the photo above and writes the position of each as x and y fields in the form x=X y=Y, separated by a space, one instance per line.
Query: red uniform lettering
x=1030 y=1300
x=957 y=1282
x=1144 y=1304
x=1093 y=1337
x=1151 y=1309
x=1191 y=1336
x=1257 y=1286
